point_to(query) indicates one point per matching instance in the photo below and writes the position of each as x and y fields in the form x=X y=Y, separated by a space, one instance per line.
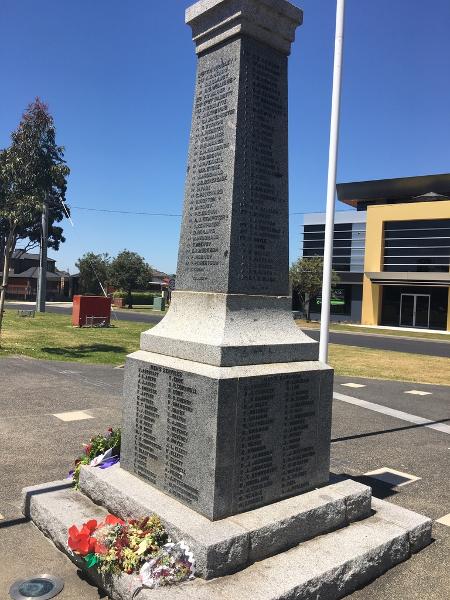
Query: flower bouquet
x=117 y=546
x=174 y=563
x=135 y=546
x=102 y=451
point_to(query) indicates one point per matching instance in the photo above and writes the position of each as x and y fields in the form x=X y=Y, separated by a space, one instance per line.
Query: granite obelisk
x=226 y=405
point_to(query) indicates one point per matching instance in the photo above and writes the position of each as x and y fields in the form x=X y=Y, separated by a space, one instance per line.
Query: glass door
x=422 y=312
x=415 y=310
x=407 y=310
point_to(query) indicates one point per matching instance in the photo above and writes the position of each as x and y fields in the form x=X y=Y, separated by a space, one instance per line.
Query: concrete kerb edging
x=231 y=544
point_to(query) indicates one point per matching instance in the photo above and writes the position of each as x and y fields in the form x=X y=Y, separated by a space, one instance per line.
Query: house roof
x=156 y=273
x=27 y=255
x=33 y=273
x=62 y=273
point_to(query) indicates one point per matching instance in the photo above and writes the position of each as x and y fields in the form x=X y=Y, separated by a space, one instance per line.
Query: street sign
x=171 y=284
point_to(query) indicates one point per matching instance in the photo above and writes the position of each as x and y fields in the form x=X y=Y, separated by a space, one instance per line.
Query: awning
x=409 y=278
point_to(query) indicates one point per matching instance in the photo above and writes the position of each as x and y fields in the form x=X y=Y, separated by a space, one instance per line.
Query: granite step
x=231 y=544
x=327 y=567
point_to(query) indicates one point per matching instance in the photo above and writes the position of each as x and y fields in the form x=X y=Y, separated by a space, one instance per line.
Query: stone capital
x=272 y=22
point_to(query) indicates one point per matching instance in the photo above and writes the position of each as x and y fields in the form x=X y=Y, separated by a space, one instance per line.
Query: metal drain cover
x=43 y=587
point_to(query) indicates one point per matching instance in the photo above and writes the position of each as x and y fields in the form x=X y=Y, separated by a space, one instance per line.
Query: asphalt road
x=67 y=310
x=409 y=345
x=36 y=447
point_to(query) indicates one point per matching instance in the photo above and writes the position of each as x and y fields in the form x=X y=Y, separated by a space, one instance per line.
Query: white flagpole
x=331 y=188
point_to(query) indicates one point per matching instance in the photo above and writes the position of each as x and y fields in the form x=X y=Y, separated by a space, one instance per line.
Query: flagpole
x=331 y=186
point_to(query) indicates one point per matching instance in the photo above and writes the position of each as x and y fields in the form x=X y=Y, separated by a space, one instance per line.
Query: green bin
x=159 y=303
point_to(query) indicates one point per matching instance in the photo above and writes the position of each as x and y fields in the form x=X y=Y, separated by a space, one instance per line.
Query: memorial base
x=322 y=544
x=225 y=440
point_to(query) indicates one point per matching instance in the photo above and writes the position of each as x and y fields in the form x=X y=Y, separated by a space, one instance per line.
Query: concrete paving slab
x=445 y=520
x=392 y=477
x=73 y=415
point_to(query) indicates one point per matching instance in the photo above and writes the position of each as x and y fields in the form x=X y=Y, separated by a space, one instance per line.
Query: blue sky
x=119 y=79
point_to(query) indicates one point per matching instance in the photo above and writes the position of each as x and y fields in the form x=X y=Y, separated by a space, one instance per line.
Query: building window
x=418 y=246
x=348 y=245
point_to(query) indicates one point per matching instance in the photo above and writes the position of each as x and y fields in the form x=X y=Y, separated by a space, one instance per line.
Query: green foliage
x=97 y=445
x=129 y=272
x=144 y=298
x=32 y=171
x=94 y=273
x=306 y=277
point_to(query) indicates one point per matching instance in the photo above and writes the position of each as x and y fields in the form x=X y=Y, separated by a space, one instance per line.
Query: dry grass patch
x=353 y=361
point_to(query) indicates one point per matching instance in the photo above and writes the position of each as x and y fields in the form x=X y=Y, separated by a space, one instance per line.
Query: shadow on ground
x=380 y=489
x=82 y=575
x=383 y=431
x=84 y=350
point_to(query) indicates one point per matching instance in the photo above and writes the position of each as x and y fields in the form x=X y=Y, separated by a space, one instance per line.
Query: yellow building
x=406 y=279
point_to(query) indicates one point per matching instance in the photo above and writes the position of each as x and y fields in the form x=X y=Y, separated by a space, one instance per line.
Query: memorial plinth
x=226 y=405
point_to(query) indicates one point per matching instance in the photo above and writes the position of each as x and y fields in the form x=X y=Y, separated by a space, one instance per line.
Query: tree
x=129 y=272
x=32 y=171
x=94 y=273
x=306 y=277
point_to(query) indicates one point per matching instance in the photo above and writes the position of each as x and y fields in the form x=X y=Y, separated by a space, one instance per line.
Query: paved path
x=365 y=440
x=409 y=345
x=36 y=446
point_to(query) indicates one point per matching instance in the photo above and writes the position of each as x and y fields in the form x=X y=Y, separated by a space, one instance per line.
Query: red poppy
x=112 y=520
x=100 y=548
x=81 y=541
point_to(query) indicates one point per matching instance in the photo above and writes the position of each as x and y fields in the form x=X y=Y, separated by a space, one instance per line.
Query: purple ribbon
x=109 y=462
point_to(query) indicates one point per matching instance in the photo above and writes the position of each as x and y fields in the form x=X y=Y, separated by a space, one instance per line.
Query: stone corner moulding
x=270 y=21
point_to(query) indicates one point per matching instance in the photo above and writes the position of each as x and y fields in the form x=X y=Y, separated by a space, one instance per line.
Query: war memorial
x=227 y=410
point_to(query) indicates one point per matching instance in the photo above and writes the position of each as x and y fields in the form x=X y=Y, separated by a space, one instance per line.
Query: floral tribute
x=172 y=564
x=102 y=451
x=135 y=546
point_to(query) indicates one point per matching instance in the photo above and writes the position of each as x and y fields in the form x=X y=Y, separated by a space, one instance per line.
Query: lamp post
x=331 y=186
x=42 y=281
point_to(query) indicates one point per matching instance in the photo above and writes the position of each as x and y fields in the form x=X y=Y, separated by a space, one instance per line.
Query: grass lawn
x=372 y=331
x=51 y=336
